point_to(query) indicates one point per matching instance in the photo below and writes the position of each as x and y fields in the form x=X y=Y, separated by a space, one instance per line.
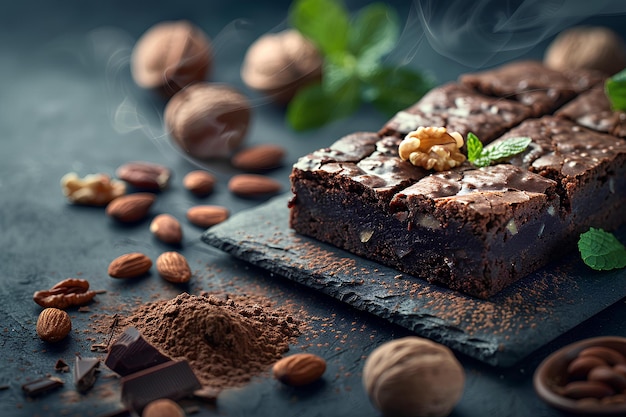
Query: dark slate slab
x=500 y=331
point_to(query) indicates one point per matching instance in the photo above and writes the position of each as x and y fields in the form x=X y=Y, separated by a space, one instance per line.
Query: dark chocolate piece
x=61 y=366
x=174 y=380
x=131 y=353
x=85 y=370
x=41 y=386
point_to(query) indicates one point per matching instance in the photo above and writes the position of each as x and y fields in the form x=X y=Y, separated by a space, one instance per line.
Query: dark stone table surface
x=68 y=103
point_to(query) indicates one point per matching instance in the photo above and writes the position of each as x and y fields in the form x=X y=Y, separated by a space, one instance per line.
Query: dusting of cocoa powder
x=227 y=340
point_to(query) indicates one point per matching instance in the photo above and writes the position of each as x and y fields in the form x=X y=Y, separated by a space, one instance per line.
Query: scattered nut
x=145 y=175
x=413 y=377
x=208 y=120
x=259 y=157
x=170 y=56
x=53 y=325
x=167 y=229
x=70 y=292
x=588 y=47
x=200 y=183
x=207 y=216
x=130 y=208
x=92 y=190
x=299 y=369
x=130 y=265
x=253 y=185
x=279 y=64
x=432 y=148
x=173 y=267
x=163 y=408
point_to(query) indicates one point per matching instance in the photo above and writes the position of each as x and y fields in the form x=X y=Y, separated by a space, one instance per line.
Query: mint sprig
x=615 y=90
x=495 y=152
x=353 y=73
x=601 y=250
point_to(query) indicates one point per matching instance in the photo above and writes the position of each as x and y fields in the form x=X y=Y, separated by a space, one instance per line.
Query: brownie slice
x=540 y=88
x=473 y=230
x=459 y=109
x=592 y=109
x=589 y=168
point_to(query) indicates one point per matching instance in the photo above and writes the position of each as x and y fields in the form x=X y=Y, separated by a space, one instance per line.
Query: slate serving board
x=500 y=331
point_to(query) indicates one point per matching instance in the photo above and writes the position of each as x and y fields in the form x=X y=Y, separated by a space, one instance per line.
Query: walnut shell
x=278 y=64
x=413 y=377
x=171 y=55
x=587 y=47
x=208 y=120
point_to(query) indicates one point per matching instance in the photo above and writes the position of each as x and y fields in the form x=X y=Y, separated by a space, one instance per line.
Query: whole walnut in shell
x=170 y=56
x=413 y=377
x=587 y=47
x=278 y=64
x=208 y=120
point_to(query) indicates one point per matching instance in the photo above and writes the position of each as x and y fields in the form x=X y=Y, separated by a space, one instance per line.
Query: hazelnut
x=163 y=407
x=170 y=56
x=588 y=47
x=413 y=377
x=208 y=120
x=278 y=64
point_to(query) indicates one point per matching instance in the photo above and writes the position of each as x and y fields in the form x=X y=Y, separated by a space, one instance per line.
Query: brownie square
x=592 y=109
x=459 y=109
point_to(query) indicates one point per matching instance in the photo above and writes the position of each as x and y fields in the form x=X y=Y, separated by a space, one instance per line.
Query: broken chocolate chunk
x=174 y=380
x=131 y=353
x=85 y=373
x=61 y=366
x=41 y=386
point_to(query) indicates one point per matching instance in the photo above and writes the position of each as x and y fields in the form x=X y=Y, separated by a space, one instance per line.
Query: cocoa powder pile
x=225 y=340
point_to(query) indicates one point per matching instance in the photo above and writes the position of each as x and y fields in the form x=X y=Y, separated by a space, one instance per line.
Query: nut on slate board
x=129 y=265
x=171 y=55
x=200 y=183
x=163 y=407
x=299 y=369
x=413 y=377
x=53 y=324
x=278 y=64
x=167 y=229
x=173 y=267
x=259 y=157
x=588 y=47
x=208 y=120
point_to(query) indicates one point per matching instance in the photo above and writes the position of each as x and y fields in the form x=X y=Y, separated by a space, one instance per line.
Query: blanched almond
x=207 y=216
x=173 y=267
x=130 y=265
x=166 y=228
x=253 y=185
x=130 y=208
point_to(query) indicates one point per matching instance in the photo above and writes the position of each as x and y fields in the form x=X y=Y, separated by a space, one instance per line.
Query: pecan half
x=67 y=293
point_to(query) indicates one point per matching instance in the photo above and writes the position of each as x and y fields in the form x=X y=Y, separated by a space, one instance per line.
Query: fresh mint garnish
x=615 y=89
x=601 y=250
x=494 y=152
x=353 y=71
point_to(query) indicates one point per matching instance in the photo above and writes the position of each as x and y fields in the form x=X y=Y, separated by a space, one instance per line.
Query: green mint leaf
x=313 y=106
x=615 y=89
x=338 y=70
x=601 y=250
x=374 y=32
x=474 y=147
x=325 y=22
x=393 y=89
x=500 y=151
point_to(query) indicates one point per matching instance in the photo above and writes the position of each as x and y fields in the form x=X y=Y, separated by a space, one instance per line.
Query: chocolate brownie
x=459 y=109
x=592 y=109
x=542 y=89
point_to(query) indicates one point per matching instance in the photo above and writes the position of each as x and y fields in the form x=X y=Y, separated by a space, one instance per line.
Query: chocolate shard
x=131 y=353
x=61 y=366
x=85 y=372
x=174 y=380
x=41 y=386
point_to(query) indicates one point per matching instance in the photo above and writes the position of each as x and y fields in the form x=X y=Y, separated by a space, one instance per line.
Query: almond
x=299 y=369
x=253 y=185
x=130 y=265
x=173 y=267
x=53 y=324
x=207 y=216
x=144 y=175
x=259 y=158
x=200 y=183
x=130 y=208
x=167 y=229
